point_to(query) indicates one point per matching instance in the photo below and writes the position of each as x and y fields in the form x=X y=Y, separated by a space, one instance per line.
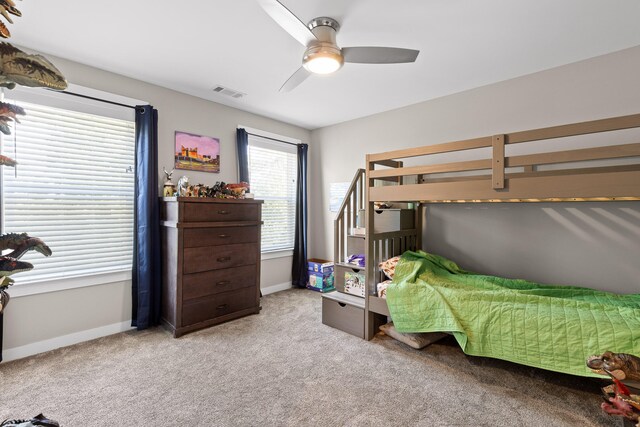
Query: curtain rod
x=95 y=99
x=273 y=139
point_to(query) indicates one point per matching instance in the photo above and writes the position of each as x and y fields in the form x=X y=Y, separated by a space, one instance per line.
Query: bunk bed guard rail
x=522 y=182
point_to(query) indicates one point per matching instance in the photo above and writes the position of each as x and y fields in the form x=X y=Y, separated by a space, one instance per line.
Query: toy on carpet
x=38 y=420
x=618 y=398
x=620 y=365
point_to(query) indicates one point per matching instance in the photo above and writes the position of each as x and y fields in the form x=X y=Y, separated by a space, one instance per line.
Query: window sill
x=55 y=285
x=276 y=254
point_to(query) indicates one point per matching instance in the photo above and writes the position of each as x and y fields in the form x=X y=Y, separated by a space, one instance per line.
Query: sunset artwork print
x=197 y=153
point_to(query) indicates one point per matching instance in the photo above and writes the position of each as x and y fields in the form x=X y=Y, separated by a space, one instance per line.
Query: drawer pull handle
x=341 y=304
x=224 y=212
x=222 y=307
x=223 y=236
x=224 y=259
x=223 y=282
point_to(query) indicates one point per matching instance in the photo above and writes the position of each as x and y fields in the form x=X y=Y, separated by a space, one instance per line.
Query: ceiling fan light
x=323 y=65
x=323 y=60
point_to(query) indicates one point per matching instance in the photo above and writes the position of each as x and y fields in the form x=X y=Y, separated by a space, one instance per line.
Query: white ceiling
x=192 y=46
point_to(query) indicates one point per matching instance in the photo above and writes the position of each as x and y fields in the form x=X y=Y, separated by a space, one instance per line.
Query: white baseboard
x=63 y=341
x=275 y=288
x=9 y=354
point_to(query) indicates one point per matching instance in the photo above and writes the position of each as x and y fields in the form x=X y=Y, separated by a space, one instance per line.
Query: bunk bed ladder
x=346 y=219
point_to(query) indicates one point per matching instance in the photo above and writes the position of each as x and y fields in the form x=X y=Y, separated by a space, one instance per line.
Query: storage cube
x=354 y=283
x=389 y=220
x=350 y=280
x=355 y=245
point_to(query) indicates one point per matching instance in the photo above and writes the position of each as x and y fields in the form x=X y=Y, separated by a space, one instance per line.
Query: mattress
x=546 y=326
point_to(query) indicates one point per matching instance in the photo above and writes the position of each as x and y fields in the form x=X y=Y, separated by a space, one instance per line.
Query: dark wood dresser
x=210 y=261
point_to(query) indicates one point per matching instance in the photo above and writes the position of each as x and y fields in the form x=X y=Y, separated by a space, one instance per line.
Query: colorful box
x=317 y=265
x=320 y=283
x=320 y=275
x=354 y=283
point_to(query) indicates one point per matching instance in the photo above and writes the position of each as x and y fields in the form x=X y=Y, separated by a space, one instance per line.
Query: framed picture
x=197 y=153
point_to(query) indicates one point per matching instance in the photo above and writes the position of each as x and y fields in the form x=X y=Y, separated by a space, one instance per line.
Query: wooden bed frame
x=499 y=178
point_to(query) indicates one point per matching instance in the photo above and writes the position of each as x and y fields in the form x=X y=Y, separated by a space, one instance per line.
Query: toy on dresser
x=169 y=188
x=219 y=190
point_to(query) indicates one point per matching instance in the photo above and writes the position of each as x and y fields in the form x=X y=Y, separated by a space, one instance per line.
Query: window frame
x=278 y=253
x=100 y=104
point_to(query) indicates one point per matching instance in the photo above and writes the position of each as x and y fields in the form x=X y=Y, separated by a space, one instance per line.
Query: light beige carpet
x=283 y=367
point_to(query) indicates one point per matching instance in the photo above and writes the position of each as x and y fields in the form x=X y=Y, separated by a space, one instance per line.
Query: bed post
x=369 y=317
x=497 y=164
x=419 y=226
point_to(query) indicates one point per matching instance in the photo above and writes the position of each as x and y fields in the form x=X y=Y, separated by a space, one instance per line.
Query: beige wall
x=32 y=319
x=595 y=245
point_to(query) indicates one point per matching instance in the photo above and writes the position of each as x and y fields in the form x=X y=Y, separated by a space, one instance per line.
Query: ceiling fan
x=322 y=54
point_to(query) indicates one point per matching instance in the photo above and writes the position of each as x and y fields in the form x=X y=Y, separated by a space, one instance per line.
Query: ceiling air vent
x=228 y=92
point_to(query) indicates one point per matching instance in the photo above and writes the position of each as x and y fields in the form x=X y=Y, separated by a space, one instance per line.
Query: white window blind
x=273 y=171
x=73 y=188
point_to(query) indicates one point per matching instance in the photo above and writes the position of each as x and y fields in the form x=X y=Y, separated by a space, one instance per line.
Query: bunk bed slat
x=389 y=163
x=445 y=167
x=604 y=185
x=432 y=149
x=583 y=154
x=575 y=129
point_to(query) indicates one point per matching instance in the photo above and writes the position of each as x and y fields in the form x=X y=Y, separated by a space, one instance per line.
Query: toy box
x=320 y=275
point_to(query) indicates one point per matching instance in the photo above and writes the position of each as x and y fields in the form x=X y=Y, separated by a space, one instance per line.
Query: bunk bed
x=599 y=172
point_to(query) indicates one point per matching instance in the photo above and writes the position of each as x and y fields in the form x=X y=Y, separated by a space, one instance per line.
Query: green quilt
x=546 y=326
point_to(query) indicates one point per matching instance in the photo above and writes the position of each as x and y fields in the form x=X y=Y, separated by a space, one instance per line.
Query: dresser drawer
x=196 y=237
x=207 y=258
x=213 y=282
x=206 y=212
x=213 y=306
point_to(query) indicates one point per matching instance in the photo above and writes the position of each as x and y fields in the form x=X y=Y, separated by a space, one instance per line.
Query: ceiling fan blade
x=378 y=55
x=287 y=20
x=295 y=79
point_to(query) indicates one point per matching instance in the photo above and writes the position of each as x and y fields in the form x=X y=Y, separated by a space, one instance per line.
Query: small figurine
x=239 y=189
x=183 y=186
x=621 y=365
x=38 y=420
x=169 y=188
x=4 y=160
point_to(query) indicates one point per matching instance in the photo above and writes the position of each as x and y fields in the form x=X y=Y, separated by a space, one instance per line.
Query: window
x=273 y=171
x=73 y=187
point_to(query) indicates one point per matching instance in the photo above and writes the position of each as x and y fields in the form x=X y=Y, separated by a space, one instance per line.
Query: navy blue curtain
x=242 y=141
x=299 y=272
x=146 y=278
